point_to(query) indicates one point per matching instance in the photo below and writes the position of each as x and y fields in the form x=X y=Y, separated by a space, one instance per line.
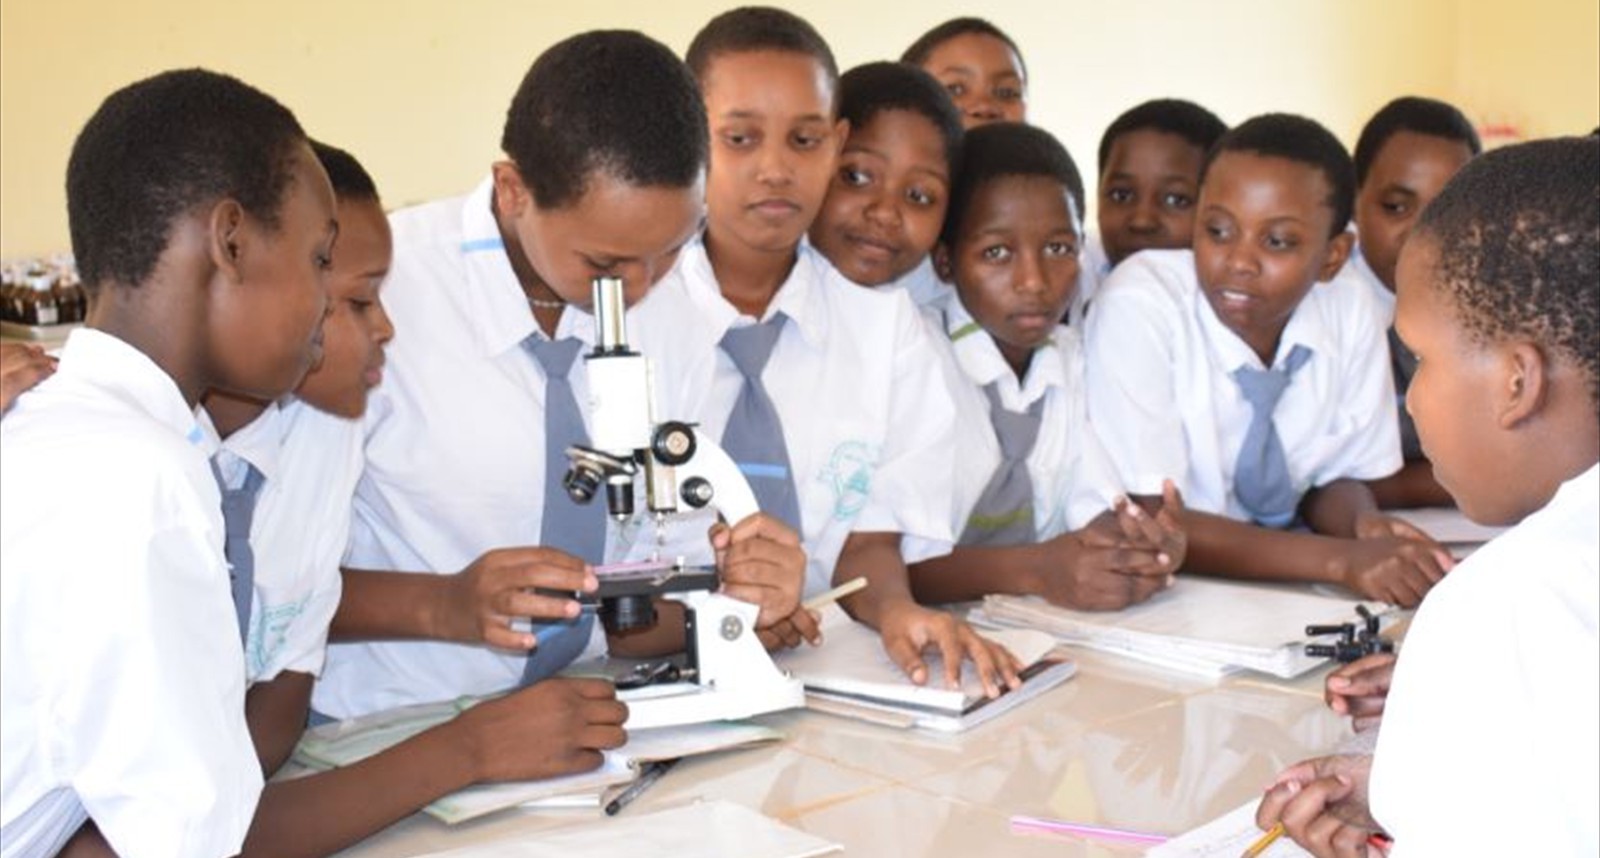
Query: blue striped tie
x=1004 y=512
x=754 y=435
x=238 y=510
x=577 y=530
x=1261 y=473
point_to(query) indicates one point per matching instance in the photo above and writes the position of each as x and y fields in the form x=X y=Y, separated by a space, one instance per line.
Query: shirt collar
x=259 y=442
x=1363 y=270
x=982 y=362
x=142 y=383
x=801 y=297
x=497 y=307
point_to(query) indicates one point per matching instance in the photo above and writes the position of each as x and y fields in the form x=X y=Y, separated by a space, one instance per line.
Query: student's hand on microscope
x=498 y=587
x=761 y=562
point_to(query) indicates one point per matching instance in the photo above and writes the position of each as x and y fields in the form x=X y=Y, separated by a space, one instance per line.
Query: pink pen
x=1054 y=826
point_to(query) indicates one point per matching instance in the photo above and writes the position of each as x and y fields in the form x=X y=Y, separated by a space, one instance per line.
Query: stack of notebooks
x=852 y=675
x=345 y=742
x=1202 y=626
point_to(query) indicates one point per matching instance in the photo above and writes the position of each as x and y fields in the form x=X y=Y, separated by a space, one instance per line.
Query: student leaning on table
x=1490 y=739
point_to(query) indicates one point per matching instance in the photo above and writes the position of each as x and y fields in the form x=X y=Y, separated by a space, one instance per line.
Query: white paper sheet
x=1226 y=836
x=1203 y=625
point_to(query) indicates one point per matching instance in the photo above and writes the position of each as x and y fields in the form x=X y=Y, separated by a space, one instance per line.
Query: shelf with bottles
x=41 y=298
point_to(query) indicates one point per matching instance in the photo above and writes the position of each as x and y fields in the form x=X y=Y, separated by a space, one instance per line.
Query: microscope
x=727 y=673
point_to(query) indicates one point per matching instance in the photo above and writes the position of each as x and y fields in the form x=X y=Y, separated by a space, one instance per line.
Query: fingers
x=720 y=536
x=1138 y=526
x=907 y=655
x=497 y=632
x=808 y=624
x=779 y=635
x=534 y=567
x=947 y=638
x=1310 y=804
x=1172 y=500
x=1406 y=530
x=526 y=603
x=21 y=368
x=763 y=526
x=1365 y=676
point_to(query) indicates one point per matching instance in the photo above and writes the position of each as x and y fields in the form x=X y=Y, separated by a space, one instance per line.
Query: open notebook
x=344 y=742
x=851 y=674
x=1203 y=626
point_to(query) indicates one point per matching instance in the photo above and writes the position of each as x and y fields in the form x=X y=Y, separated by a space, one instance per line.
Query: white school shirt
x=866 y=412
x=454 y=446
x=310 y=461
x=921 y=284
x=1490 y=742
x=1093 y=269
x=121 y=682
x=1383 y=300
x=1164 y=405
x=1073 y=481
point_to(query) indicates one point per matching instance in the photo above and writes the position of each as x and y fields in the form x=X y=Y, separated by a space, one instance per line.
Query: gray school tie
x=754 y=435
x=238 y=510
x=1261 y=473
x=1404 y=365
x=577 y=530
x=1004 y=512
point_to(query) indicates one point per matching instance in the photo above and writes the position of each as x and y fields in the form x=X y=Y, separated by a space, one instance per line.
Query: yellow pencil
x=822 y=600
x=1266 y=840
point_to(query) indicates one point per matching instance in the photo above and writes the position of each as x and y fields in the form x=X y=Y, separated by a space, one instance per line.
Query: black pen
x=652 y=773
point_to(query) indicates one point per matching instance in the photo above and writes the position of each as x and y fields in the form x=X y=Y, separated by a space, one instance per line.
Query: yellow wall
x=418 y=90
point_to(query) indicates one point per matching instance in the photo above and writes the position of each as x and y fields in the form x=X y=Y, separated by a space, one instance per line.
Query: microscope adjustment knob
x=673 y=443
x=696 y=492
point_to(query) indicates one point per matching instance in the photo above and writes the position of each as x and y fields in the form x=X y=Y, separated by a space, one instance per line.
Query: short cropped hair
x=1419 y=116
x=759 y=28
x=1518 y=235
x=868 y=90
x=1003 y=149
x=162 y=148
x=350 y=180
x=1296 y=138
x=925 y=44
x=613 y=102
x=1195 y=124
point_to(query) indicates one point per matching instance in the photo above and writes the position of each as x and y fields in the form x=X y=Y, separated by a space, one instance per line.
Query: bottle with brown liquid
x=39 y=302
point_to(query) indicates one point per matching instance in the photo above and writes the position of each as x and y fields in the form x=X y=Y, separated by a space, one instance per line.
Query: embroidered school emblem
x=849 y=473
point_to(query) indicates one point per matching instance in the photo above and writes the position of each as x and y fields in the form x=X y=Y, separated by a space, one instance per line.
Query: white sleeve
x=148 y=720
x=1130 y=350
x=911 y=489
x=305 y=631
x=1370 y=425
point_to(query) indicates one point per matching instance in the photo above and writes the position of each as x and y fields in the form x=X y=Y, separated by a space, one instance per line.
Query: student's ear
x=1338 y=253
x=941 y=263
x=226 y=237
x=511 y=194
x=1527 y=384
